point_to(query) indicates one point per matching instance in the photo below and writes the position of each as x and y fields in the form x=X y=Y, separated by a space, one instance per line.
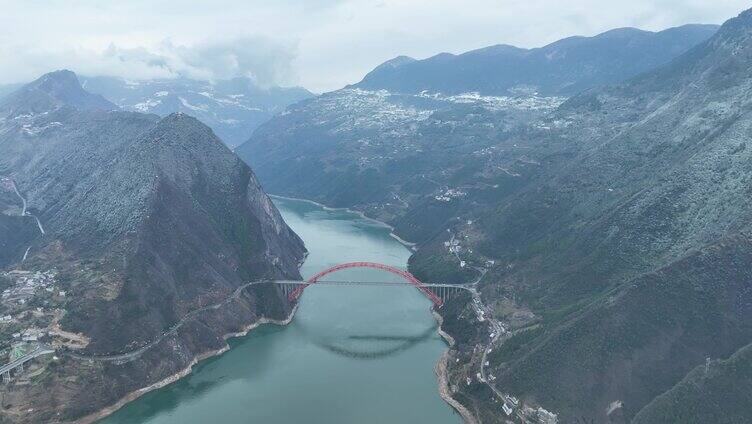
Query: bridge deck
x=364 y=283
x=43 y=349
x=10 y=366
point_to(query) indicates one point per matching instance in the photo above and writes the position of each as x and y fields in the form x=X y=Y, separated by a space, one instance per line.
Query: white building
x=507 y=410
x=32 y=335
x=546 y=417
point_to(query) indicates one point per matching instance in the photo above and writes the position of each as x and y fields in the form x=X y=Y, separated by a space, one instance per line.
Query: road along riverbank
x=130 y=397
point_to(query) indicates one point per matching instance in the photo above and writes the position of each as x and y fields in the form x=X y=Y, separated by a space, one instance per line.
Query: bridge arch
x=295 y=294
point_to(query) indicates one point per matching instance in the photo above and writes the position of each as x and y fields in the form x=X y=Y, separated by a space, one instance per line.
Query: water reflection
x=362 y=356
x=399 y=343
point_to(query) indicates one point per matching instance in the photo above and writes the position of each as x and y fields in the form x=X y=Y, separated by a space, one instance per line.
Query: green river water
x=352 y=355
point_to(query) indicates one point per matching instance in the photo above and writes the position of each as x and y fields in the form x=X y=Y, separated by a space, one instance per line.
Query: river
x=352 y=355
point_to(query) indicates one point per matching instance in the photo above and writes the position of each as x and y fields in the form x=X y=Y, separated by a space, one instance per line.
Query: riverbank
x=440 y=320
x=185 y=371
x=335 y=341
x=410 y=245
x=443 y=376
x=441 y=366
x=446 y=393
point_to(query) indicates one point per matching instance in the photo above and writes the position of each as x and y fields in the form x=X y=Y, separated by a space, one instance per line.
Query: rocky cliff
x=146 y=220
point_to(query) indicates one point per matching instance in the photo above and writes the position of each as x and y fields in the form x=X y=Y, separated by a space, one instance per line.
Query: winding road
x=24 y=212
x=497 y=330
x=131 y=355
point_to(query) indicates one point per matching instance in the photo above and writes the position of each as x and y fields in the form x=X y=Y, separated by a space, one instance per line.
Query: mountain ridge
x=56 y=89
x=598 y=217
x=146 y=220
x=549 y=69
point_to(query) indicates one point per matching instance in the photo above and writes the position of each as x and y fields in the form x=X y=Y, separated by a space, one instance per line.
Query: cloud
x=266 y=61
x=320 y=44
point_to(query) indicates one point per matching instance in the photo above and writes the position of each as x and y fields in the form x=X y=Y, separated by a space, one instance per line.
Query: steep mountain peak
x=60 y=78
x=180 y=118
x=179 y=128
x=395 y=62
x=163 y=213
x=52 y=91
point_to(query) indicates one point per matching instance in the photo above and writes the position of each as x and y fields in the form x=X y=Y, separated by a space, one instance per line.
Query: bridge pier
x=6 y=377
x=444 y=293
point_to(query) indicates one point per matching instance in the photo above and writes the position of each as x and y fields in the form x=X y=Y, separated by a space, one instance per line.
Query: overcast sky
x=319 y=44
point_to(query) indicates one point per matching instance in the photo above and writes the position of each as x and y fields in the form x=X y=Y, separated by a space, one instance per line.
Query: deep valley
x=576 y=219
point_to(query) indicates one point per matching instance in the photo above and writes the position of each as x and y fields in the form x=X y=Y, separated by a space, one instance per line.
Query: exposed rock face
x=145 y=220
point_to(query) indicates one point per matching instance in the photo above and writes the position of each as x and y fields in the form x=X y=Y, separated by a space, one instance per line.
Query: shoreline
x=410 y=245
x=130 y=397
x=445 y=392
x=440 y=368
x=443 y=378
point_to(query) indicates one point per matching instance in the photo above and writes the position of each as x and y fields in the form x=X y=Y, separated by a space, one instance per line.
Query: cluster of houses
x=454 y=247
x=449 y=194
x=17 y=301
x=26 y=283
x=528 y=414
x=30 y=335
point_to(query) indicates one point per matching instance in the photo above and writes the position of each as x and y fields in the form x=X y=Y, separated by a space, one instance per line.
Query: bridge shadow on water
x=399 y=343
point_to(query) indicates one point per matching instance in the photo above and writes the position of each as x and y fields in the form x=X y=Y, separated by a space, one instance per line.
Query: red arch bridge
x=436 y=293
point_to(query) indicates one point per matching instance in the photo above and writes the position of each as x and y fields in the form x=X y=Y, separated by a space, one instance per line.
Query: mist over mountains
x=354 y=146
x=232 y=108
